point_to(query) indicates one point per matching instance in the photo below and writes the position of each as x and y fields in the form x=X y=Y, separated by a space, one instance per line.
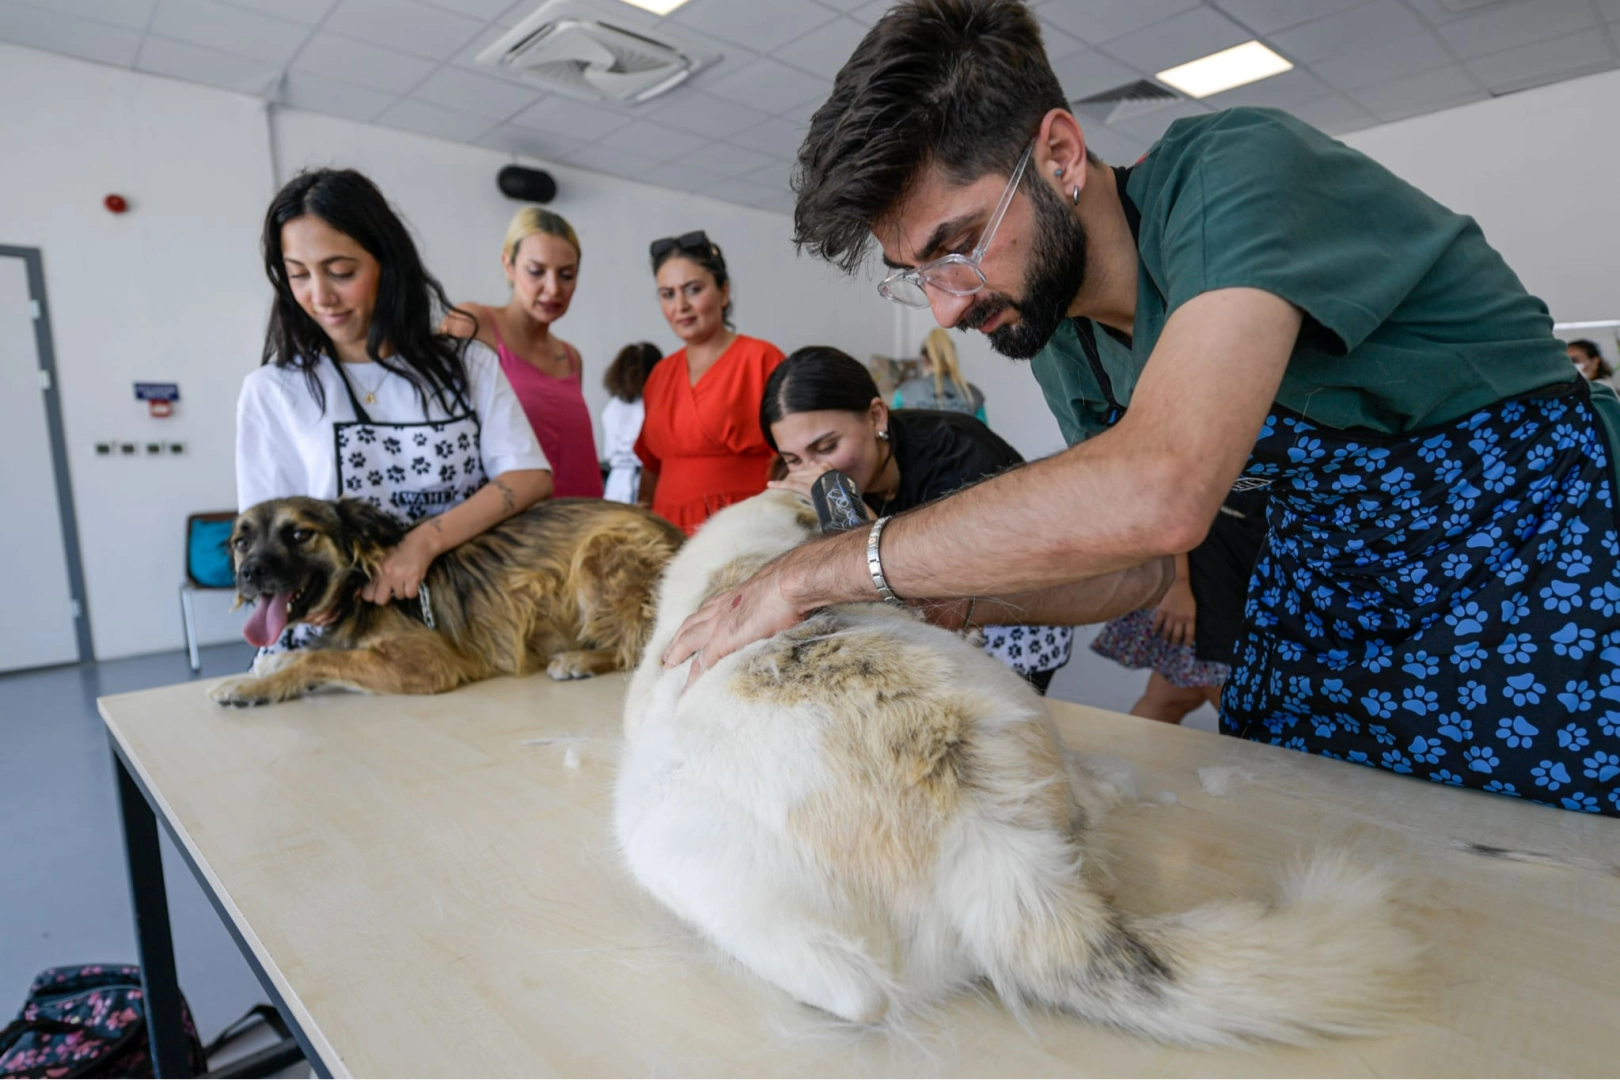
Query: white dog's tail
x=1327 y=959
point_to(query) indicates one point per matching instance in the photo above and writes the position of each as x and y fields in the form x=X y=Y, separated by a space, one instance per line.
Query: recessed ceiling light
x=1236 y=66
x=657 y=7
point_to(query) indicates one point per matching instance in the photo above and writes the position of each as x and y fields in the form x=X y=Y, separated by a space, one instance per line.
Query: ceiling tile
x=308 y=12
x=516 y=12
x=750 y=23
x=1542 y=61
x=825 y=49
x=1417 y=93
x=1499 y=29
x=1383 y=63
x=843 y=5
x=1610 y=9
x=683 y=176
x=770 y=85
x=348 y=60
x=1334 y=115
x=453 y=88
x=777 y=176
x=1148 y=128
x=1057 y=42
x=317 y=93
x=41 y=29
x=1177 y=40
x=730 y=160
x=482 y=10
x=801 y=114
x=565 y=116
x=528 y=142
x=160 y=56
x=425 y=119
x=869 y=13
x=1089 y=72
x=778 y=204
x=777 y=137
x=740 y=191
x=228 y=29
x=1269 y=16
x=1347 y=31
x=1278 y=92
x=704 y=114
x=1104 y=20
x=407 y=25
x=610 y=159
x=653 y=140
x=133 y=14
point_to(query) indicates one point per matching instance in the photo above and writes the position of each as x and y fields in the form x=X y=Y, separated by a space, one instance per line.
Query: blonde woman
x=941 y=385
x=541 y=260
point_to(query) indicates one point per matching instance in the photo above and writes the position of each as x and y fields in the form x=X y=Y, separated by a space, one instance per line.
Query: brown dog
x=567 y=585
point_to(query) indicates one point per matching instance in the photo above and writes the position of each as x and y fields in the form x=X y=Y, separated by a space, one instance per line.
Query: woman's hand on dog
x=401 y=573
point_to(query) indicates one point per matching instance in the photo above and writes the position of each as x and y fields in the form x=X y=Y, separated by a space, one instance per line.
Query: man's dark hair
x=962 y=84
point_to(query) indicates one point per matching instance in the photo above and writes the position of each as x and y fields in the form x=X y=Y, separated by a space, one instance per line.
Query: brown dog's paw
x=241 y=692
x=580 y=664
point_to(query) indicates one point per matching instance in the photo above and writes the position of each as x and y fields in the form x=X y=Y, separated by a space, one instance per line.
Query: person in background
x=541 y=259
x=822 y=410
x=1589 y=362
x=625 y=379
x=941 y=385
x=357 y=396
x=700 y=447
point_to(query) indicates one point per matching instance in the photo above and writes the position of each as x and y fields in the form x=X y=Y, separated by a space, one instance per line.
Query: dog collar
x=424 y=600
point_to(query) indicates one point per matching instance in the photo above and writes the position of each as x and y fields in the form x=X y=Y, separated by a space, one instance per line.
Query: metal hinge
x=44 y=378
x=35 y=310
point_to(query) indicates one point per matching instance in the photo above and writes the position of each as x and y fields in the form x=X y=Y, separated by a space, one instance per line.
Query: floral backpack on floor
x=87 y=1021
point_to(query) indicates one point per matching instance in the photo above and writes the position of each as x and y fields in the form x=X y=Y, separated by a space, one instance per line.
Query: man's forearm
x=1080 y=603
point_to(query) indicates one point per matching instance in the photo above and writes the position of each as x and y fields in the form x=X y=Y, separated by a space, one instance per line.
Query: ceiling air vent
x=1123 y=102
x=576 y=49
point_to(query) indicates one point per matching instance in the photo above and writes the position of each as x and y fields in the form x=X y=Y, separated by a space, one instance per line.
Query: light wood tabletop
x=432 y=885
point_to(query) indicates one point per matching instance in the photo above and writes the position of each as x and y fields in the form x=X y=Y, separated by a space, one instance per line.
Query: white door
x=36 y=603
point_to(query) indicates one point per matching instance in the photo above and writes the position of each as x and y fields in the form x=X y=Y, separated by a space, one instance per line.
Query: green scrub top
x=1411 y=318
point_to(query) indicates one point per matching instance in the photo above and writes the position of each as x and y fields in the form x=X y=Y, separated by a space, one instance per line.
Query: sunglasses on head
x=693 y=241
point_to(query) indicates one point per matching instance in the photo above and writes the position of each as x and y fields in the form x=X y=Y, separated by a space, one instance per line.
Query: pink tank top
x=561 y=420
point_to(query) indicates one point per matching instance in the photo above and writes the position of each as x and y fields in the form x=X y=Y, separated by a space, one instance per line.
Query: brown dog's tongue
x=268 y=620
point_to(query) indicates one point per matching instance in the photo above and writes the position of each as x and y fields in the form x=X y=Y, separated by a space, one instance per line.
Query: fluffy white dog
x=871 y=813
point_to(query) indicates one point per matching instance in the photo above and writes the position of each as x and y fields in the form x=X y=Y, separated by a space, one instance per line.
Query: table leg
x=155 y=945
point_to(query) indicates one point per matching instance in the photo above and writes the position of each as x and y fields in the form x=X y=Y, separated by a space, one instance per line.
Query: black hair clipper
x=838 y=502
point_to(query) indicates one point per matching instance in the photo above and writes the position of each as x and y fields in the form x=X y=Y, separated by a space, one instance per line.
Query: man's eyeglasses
x=696 y=242
x=958 y=275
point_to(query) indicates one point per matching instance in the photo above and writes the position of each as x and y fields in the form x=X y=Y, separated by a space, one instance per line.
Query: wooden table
x=429 y=887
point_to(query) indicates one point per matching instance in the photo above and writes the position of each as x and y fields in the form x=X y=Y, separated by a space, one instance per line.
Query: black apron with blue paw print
x=1444 y=604
x=411 y=471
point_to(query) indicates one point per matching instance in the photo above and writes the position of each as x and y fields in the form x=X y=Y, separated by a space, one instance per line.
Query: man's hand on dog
x=401 y=573
x=752 y=611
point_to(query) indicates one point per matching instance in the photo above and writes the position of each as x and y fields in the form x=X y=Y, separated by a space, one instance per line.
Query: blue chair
x=208 y=566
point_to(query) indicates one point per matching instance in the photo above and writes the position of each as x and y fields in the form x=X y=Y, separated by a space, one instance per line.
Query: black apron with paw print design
x=411 y=471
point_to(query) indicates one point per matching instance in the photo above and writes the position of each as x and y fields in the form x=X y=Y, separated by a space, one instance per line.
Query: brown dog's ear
x=368 y=532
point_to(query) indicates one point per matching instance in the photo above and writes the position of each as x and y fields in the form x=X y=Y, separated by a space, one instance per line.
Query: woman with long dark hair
x=358 y=395
x=822 y=410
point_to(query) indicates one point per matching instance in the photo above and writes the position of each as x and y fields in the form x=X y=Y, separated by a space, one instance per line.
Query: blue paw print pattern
x=1444 y=605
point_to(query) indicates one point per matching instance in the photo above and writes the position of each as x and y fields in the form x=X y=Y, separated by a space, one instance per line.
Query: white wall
x=173 y=291
x=1539 y=171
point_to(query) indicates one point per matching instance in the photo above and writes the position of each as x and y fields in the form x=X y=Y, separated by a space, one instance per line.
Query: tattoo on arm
x=438 y=526
x=508 y=498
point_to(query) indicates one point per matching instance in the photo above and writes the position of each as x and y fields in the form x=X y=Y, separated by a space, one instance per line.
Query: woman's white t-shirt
x=284 y=439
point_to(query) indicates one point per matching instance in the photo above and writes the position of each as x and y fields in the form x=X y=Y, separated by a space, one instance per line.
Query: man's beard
x=1057 y=270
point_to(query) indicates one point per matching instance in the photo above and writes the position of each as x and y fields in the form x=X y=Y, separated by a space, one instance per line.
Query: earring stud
x=1058 y=172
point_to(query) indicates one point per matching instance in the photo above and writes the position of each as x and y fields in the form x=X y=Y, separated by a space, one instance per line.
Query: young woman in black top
x=822 y=410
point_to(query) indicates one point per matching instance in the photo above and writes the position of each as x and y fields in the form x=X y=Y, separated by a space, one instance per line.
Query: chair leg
x=189 y=616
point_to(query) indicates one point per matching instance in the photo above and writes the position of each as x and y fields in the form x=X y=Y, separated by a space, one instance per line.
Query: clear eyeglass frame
x=954 y=274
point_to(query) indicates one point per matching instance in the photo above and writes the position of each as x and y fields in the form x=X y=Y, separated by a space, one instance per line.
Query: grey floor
x=63 y=893
x=64 y=897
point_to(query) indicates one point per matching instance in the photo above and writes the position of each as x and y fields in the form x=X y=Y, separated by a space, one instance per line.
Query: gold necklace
x=371 y=394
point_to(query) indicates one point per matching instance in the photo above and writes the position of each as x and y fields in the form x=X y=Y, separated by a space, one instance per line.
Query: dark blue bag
x=87 y=1021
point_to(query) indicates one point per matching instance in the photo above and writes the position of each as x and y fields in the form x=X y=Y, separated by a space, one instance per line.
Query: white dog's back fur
x=871 y=813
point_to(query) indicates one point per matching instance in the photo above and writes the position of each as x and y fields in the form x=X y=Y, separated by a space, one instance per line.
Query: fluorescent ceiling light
x=657 y=7
x=1236 y=66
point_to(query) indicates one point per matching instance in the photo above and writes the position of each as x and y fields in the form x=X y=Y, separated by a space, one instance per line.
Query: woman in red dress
x=541 y=260
x=701 y=448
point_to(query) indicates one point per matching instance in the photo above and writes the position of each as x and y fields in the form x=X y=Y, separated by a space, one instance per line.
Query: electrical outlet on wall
x=153 y=449
x=128 y=449
x=104 y=449
x=176 y=448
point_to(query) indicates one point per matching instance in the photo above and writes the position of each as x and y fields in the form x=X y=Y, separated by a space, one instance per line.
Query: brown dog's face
x=298 y=558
